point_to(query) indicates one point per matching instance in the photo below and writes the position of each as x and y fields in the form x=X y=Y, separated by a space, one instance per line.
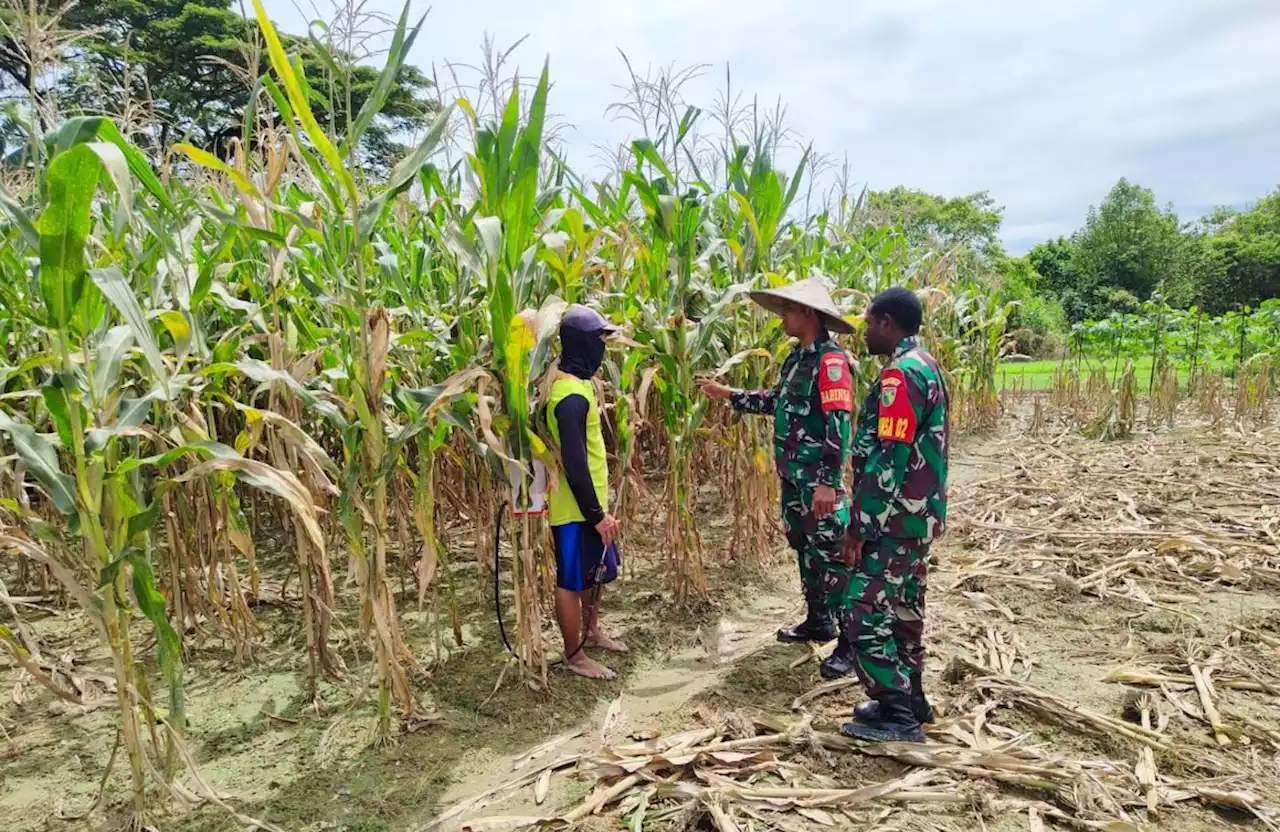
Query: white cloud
x=1045 y=105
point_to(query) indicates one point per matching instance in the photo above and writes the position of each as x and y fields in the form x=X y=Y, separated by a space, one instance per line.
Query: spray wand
x=497 y=597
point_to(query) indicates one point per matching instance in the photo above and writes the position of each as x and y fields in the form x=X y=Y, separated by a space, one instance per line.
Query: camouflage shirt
x=811 y=406
x=900 y=450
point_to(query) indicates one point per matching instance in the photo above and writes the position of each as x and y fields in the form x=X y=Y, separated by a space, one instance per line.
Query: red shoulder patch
x=835 y=383
x=897 y=416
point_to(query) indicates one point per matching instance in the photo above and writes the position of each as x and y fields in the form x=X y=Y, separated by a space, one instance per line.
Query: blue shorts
x=581 y=556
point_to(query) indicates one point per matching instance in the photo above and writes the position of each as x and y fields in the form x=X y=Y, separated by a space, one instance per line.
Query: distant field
x=1038 y=375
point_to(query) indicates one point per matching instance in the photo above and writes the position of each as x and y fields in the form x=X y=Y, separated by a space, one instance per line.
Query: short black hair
x=900 y=305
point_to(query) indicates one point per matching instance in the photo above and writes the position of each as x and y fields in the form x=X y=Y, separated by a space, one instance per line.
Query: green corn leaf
x=131 y=416
x=138 y=164
x=520 y=214
x=401 y=44
x=298 y=99
x=56 y=400
x=646 y=151
x=42 y=462
x=151 y=604
x=144 y=520
x=265 y=374
x=207 y=160
x=248 y=229
x=117 y=167
x=21 y=220
x=690 y=118
x=115 y=286
x=795 y=179
x=212 y=260
x=433 y=398
x=501 y=148
x=739 y=357
x=74 y=131
x=64 y=227
x=320 y=50
x=202 y=449
x=112 y=350
x=489 y=229
x=402 y=174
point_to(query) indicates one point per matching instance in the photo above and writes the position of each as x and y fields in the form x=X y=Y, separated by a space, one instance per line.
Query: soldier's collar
x=906 y=345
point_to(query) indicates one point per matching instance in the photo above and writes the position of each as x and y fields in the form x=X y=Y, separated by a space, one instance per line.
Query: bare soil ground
x=1068 y=559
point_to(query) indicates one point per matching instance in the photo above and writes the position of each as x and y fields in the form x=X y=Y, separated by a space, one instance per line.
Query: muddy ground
x=277 y=758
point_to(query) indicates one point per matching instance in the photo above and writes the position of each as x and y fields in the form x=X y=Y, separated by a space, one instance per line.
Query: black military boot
x=840 y=663
x=869 y=711
x=816 y=627
x=895 y=723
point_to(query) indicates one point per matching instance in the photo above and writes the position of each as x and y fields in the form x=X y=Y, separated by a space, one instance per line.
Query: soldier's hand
x=824 y=501
x=851 y=550
x=714 y=389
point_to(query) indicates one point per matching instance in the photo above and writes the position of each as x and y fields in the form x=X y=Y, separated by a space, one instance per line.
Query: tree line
x=1130 y=249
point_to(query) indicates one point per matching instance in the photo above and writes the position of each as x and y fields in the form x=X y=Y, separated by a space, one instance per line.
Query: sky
x=1043 y=104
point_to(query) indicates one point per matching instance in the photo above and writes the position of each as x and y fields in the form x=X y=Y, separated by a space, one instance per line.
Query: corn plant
x=127 y=430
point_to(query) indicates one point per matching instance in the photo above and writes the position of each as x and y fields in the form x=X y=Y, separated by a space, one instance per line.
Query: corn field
x=210 y=362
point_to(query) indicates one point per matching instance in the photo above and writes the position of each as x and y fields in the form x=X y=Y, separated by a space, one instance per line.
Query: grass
x=1038 y=375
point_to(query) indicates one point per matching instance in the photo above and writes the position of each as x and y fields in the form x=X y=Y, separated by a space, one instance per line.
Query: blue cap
x=585 y=319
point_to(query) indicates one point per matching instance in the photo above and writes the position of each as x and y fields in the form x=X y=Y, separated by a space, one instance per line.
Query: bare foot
x=584 y=665
x=605 y=643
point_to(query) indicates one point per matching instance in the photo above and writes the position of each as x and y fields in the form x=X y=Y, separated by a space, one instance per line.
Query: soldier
x=899 y=508
x=812 y=404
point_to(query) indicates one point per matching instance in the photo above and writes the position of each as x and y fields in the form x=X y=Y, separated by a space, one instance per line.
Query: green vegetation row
x=1187 y=341
x=1186 y=337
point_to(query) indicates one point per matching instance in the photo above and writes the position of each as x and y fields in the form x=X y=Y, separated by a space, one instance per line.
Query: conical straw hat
x=810 y=292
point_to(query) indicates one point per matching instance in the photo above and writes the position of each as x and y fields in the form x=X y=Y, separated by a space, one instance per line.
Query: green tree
x=193 y=63
x=971 y=221
x=1053 y=261
x=1126 y=249
x=1037 y=321
x=1233 y=256
x=1199 y=266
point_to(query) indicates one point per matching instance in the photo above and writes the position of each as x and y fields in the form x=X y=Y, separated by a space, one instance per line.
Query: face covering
x=581 y=353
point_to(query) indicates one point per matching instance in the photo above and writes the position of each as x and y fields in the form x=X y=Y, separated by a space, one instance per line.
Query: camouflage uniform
x=899 y=508
x=811 y=406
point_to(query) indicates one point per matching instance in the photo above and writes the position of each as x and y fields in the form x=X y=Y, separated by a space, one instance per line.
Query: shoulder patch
x=897 y=416
x=835 y=383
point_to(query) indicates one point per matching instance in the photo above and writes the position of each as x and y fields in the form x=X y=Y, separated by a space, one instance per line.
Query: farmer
x=899 y=507
x=583 y=529
x=812 y=406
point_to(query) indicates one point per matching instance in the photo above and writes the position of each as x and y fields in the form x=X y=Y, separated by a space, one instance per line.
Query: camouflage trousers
x=883 y=614
x=817 y=542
